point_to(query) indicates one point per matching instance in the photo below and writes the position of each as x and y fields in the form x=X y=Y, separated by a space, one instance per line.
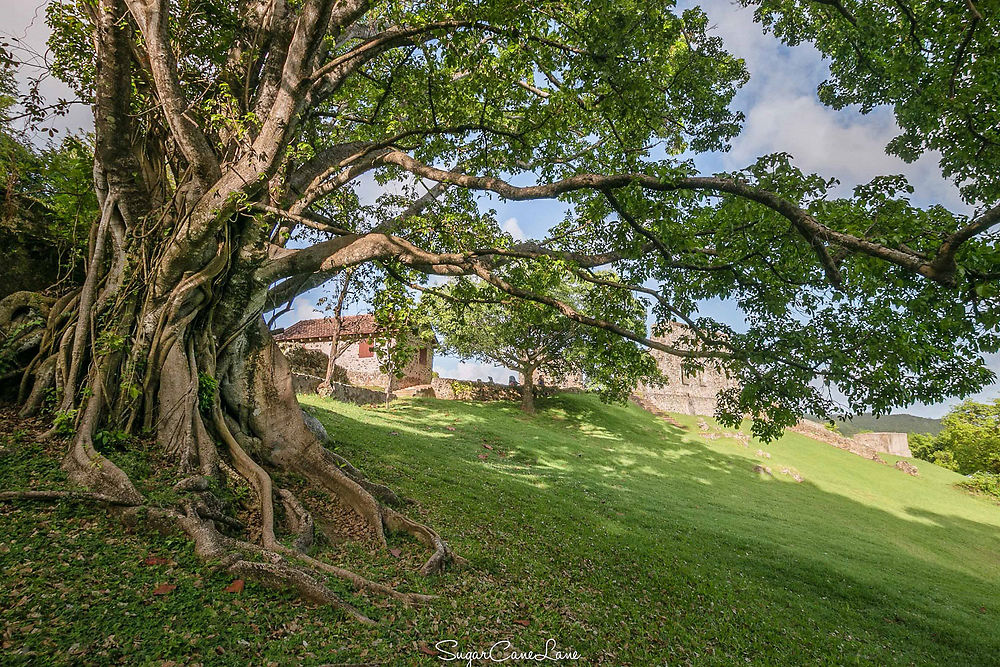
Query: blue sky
x=782 y=114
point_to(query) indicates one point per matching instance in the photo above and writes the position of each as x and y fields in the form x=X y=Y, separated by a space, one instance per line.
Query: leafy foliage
x=968 y=443
x=207 y=388
x=983 y=482
x=478 y=321
x=864 y=295
x=934 y=62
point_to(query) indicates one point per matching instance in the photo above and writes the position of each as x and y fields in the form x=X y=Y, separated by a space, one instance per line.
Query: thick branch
x=153 y=18
x=801 y=219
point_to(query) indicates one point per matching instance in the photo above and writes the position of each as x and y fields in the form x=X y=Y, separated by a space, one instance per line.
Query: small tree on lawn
x=477 y=321
x=397 y=329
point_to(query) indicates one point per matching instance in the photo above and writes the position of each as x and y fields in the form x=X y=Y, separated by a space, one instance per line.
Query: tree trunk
x=338 y=322
x=331 y=364
x=528 y=390
x=196 y=367
x=173 y=346
x=388 y=388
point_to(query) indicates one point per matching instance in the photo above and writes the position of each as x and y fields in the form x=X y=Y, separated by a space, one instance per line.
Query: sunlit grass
x=618 y=535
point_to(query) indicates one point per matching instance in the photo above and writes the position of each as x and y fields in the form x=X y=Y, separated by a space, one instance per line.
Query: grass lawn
x=622 y=537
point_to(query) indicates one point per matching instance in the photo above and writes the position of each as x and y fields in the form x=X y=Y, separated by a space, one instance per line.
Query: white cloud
x=821 y=142
x=25 y=29
x=784 y=114
x=304 y=309
x=369 y=190
x=511 y=227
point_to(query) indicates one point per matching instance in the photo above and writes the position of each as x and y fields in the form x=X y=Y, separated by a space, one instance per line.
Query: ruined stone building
x=684 y=393
x=359 y=363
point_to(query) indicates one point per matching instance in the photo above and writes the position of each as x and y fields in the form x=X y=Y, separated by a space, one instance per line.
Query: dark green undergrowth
x=617 y=535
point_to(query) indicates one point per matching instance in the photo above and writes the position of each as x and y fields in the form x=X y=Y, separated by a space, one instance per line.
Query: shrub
x=969 y=442
x=983 y=482
x=972 y=435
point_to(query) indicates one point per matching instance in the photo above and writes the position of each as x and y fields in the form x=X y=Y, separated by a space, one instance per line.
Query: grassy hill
x=891 y=423
x=622 y=537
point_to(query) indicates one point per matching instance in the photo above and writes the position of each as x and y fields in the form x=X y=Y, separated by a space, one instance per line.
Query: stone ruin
x=890 y=443
x=868 y=445
x=684 y=392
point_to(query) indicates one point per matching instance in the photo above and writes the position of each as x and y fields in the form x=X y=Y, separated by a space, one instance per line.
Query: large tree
x=234 y=142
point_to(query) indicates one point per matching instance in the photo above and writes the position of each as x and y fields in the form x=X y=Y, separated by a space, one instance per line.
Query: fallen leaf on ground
x=425 y=649
x=235 y=587
x=450 y=428
x=483 y=457
x=396 y=552
x=163 y=589
x=490 y=447
x=155 y=560
x=522 y=621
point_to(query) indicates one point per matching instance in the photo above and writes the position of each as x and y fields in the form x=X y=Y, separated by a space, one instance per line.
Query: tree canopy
x=890 y=303
x=479 y=321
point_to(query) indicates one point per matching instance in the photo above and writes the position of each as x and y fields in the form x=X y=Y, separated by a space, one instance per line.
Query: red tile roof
x=352 y=325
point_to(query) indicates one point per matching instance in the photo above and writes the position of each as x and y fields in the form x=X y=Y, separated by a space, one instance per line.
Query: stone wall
x=451 y=389
x=305 y=384
x=351 y=394
x=310 y=384
x=890 y=443
x=684 y=393
x=305 y=360
x=448 y=389
x=568 y=381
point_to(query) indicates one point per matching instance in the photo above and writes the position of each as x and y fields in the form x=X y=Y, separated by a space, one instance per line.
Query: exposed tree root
x=89 y=468
x=48 y=495
x=442 y=557
x=280 y=575
x=300 y=521
x=254 y=422
x=330 y=476
x=255 y=475
x=272 y=569
x=365 y=584
x=380 y=491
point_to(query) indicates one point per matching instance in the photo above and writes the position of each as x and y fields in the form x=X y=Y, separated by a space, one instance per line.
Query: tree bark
x=528 y=390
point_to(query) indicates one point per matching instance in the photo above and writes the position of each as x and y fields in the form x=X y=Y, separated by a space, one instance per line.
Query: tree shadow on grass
x=625 y=522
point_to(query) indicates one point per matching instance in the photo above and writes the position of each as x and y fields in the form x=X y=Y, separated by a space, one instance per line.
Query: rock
x=315 y=427
x=793 y=473
x=907 y=467
x=762 y=454
x=764 y=470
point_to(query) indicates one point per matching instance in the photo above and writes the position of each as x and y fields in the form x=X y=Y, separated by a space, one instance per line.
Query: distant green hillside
x=891 y=423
